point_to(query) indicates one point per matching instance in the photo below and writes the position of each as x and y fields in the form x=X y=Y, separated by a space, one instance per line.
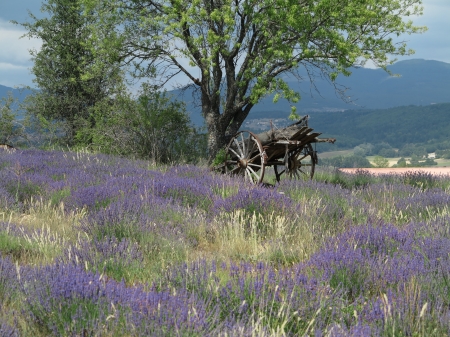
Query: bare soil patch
x=438 y=171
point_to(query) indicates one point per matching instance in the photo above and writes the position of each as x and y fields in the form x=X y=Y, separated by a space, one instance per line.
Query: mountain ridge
x=420 y=82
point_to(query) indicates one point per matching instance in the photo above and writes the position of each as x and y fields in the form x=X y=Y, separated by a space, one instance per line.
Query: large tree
x=69 y=80
x=239 y=50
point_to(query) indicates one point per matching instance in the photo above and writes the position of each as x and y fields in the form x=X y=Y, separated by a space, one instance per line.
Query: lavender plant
x=180 y=250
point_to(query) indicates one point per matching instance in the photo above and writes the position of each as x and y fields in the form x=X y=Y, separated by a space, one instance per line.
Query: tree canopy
x=238 y=51
x=69 y=80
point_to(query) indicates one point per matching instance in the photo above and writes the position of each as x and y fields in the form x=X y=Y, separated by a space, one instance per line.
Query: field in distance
x=441 y=162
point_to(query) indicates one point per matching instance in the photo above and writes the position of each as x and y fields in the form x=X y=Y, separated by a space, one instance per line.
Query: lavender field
x=94 y=245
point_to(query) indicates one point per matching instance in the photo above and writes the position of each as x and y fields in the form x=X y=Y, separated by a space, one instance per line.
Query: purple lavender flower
x=64 y=299
x=8 y=279
x=7 y=330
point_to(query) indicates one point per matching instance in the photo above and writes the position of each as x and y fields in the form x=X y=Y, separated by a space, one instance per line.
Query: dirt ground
x=439 y=171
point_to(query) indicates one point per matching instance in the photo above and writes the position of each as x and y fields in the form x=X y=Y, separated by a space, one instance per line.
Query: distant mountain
x=420 y=82
x=428 y=124
x=19 y=93
x=413 y=107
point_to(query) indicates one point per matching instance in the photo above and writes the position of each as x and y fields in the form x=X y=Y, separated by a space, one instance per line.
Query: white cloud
x=9 y=66
x=434 y=44
x=15 y=59
x=14 y=48
x=15 y=76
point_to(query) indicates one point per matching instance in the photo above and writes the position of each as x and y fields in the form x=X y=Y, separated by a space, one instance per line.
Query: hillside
x=411 y=108
x=397 y=126
x=19 y=93
x=420 y=82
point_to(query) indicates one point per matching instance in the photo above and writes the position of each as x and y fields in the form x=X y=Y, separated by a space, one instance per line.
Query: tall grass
x=95 y=245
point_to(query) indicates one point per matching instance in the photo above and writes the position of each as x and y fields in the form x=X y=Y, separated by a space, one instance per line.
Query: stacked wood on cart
x=288 y=150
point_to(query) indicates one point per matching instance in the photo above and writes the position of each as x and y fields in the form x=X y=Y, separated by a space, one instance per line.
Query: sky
x=15 y=60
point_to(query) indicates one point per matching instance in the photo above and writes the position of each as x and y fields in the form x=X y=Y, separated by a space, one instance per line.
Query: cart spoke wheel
x=245 y=156
x=236 y=154
x=300 y=164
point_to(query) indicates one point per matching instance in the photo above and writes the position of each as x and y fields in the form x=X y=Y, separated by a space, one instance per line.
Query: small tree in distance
x=235 y=52
x=10 y=129
x=380 y=162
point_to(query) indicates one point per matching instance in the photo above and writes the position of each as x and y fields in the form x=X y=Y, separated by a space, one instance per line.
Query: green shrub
x=352 y=161
x=380 y=161
x=153 y=126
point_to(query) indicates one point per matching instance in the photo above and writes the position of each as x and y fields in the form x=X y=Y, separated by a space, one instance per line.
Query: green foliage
x=60 y=195
x=420 y=179
x=389 y=153
x=14 y=247
x=220 y=158
x=64 y=311
x=368 y=149
x=429 y=162
x=240 y=49
x=380 y=161
x=351 y=282
x=69 y=80
x=43 y=132
x=360 y=178
x=413 y=150
x=401 y=162
x=411 y=129
x=153 y=126
x=10 y=129
x=23 y=190
x=352 y=161
x=443 y=153
x=363 y=150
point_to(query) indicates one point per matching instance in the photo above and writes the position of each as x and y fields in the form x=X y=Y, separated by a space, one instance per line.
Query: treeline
x=82 y=98
x=400 y=127
x=149 y=125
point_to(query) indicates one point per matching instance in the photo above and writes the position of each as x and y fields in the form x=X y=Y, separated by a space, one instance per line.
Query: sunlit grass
x=41 y=214
x=191 y=224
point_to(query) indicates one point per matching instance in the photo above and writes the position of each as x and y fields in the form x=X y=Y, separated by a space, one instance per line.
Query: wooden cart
x=288 y=150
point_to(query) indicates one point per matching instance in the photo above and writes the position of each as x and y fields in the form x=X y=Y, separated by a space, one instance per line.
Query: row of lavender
x=382 y=266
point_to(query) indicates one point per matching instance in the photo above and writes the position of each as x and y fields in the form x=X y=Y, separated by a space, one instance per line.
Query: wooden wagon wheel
x=299 y=163
x=246 y=156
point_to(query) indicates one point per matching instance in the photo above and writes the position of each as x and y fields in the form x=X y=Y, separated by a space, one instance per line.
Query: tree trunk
x=216 y=135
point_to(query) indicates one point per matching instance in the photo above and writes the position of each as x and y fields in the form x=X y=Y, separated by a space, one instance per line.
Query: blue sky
x=15 y=63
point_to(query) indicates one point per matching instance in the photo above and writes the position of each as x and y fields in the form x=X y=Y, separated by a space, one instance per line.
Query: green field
x=332 y=154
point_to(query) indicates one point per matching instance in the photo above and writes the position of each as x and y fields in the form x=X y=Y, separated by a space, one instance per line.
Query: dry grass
x=42 y=214
x=46 y=231
x=240 y=236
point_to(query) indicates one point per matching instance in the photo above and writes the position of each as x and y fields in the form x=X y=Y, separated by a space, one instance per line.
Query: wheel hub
x=294 y=164
x=243 y=163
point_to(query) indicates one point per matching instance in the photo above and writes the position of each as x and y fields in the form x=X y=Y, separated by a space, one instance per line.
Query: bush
x=429 y=162
x=10 y=129
x=151 y=127
x=387 y=153
x=443 y=154
x=362 y=150
x=401 y=162
x=380 y=161
x=412 y=149
x=346 y=161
